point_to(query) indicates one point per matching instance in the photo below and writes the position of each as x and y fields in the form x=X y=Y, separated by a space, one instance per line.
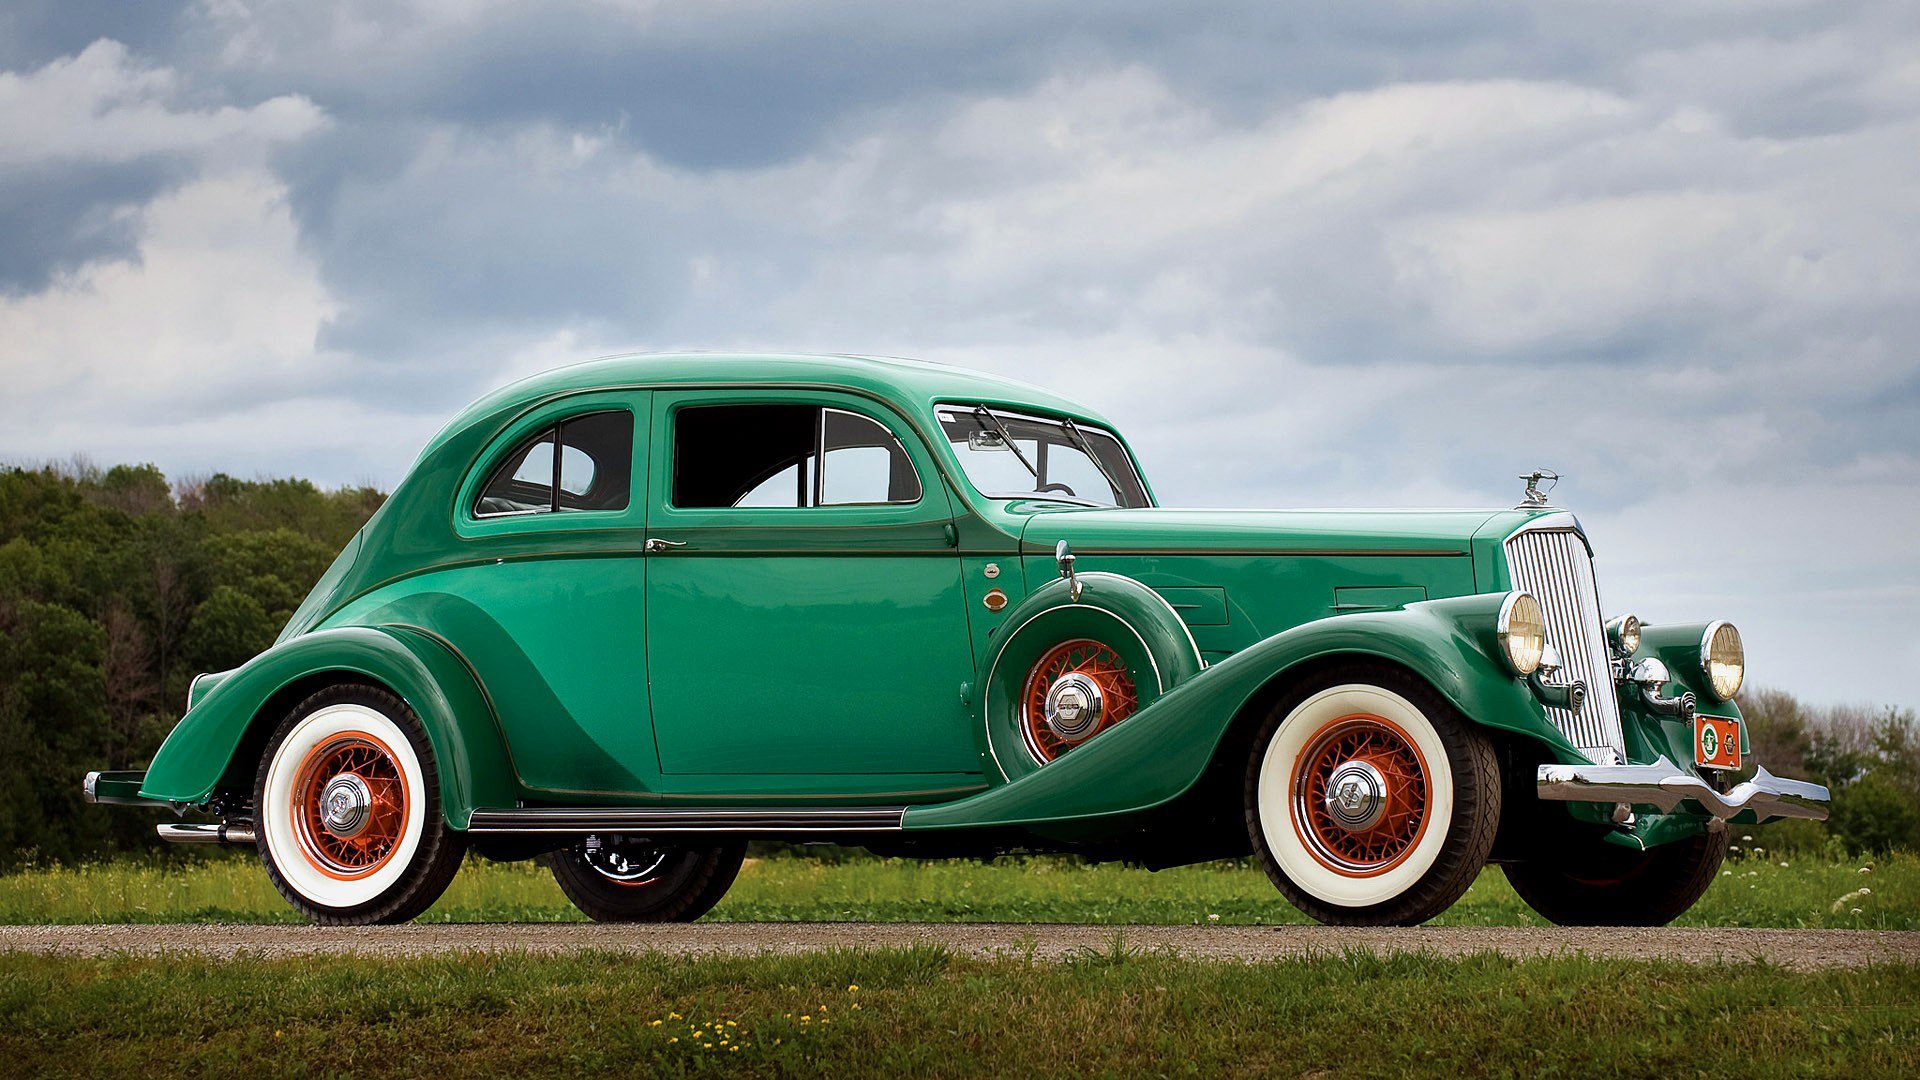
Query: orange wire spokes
x=1098 y=662
x=368 y=847
x=1387 y=841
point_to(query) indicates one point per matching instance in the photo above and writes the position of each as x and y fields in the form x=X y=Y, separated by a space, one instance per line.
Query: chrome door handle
x=655 y=546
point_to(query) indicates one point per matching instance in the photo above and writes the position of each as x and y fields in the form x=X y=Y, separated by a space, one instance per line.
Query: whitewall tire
x=347 y=810
x=1369 y=800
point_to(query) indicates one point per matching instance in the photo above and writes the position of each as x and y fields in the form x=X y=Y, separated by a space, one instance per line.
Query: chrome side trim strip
x=1666 y=785
x=650 y=820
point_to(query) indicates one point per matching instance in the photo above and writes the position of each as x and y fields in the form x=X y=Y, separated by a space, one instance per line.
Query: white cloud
x=153 y=357
x=102 y=106
x=1676 y=263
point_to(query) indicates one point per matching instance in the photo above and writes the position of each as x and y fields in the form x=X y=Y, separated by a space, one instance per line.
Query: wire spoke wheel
x=1076 y=690
x=350 y=805
x=347 y=810
x=1360 y=791
x=1370 y=800
x=615 y=878
x=624 y=861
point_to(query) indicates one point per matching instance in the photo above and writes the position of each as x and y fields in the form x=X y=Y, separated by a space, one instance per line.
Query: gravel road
x=1791 y=948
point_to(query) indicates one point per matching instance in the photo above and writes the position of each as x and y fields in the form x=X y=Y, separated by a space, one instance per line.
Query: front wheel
x=1370 y=800
x=626 y=879
x=347 y=810
x=1597 y=884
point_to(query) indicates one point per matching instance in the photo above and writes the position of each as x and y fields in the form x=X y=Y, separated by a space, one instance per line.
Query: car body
x=657 y=605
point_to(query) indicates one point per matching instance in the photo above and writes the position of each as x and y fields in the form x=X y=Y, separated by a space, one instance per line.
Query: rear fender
x=1162 y=751
x=244 y=705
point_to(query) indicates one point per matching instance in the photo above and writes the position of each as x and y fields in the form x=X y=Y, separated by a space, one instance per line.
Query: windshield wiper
x=982 y=410
x=1073 y=429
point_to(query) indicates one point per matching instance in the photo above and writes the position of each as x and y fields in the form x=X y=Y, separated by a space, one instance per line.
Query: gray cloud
x=1323 y=255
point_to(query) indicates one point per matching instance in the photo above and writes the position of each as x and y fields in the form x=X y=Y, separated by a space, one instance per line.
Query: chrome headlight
x=1522 y=630
x=1724 y=660
x=1623 y=634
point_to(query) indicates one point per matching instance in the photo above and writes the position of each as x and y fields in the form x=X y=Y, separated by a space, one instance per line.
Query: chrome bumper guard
x=1666 y=785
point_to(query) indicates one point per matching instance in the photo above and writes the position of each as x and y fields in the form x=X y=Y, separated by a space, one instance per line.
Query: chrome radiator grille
x=1554 y=566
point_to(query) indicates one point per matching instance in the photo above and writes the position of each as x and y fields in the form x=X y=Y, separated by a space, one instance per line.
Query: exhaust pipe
x=222 y=833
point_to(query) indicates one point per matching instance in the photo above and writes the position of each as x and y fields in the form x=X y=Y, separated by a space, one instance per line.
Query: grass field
x=923 y=1012
x=1755 y=890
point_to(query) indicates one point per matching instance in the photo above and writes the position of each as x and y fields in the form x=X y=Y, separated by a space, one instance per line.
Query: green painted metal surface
x=1161 y=752
x=461 y=729
x=845 y=654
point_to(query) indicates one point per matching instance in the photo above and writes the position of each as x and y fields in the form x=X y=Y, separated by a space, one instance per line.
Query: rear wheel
x=627 y=879
x=1370 y=800
x=347 y=810
x=1598 y=884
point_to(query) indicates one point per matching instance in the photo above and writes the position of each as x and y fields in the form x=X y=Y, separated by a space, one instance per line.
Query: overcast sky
x=1304 y=254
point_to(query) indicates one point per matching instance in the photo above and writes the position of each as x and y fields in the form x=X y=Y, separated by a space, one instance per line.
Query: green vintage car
x=630 y=615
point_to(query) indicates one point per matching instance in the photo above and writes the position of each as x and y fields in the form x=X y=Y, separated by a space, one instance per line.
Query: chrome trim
x=90 y=787
x=654 y=820
x=1503 y=629
x=1650 y=675
x=221 y=833
x=1074 y=706
x=1063 y=558
x=1534 y=498
x=1356 y=797
x=1706 y=648
x=1623 y=635
x=346 y=805
x=1548 y=557
x=1279 y=553
x=1666 y=785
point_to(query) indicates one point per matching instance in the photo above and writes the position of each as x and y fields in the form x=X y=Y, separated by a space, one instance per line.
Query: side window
x=727 y=456
x=592 y=471
x=863 y=463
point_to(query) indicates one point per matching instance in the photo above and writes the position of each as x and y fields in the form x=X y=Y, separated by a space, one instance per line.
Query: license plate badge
x=1716 y=742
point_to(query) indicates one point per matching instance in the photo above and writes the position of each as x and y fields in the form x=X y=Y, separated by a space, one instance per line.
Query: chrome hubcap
x=621 y=861
x=1356 y=796
x=345 y=804
x=1074 y=707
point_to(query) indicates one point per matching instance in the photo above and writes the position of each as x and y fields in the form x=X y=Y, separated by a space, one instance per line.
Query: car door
x=547 y=606
x=806 y=633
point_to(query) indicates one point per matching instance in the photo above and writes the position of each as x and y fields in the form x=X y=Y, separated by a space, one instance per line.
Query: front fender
x=1163 y=750
x=465 y=737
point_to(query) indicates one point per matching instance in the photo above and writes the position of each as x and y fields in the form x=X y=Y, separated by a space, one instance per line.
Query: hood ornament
x=1534 y=496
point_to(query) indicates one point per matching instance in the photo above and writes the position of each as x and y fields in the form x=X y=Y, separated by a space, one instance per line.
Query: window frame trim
x=546 y=418
x=1025 y=412
x=668 y=450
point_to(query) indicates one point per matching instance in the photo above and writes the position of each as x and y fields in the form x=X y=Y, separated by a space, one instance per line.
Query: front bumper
x=1665 y=785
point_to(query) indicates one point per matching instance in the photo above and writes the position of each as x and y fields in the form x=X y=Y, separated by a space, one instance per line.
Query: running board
x=655 y=820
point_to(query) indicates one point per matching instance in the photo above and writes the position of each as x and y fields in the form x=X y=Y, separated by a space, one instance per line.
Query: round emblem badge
x=1709 y=742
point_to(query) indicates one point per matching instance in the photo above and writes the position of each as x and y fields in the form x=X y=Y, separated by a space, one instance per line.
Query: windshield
x=1014 y=456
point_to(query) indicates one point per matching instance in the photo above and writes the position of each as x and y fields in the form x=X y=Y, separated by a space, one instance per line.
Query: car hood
x=1161 y=529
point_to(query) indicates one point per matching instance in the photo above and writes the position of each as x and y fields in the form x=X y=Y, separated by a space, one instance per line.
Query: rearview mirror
x=986 y=440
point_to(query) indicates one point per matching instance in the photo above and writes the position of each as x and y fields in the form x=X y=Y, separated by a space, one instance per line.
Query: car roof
x=912 y=385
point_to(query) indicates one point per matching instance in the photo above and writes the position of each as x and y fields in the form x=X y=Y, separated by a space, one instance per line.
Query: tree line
x=117 y=587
